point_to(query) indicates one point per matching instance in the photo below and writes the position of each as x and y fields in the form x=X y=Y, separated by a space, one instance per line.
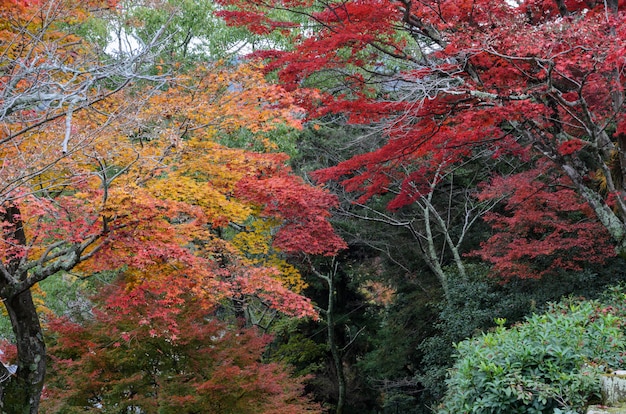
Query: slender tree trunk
x=332 y=344
x=430 y=253
x=332 y=340
x=21 y=393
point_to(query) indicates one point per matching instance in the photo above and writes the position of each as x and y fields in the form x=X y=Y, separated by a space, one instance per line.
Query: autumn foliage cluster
x=452 y=82
x=148 y=349
x=113 y=166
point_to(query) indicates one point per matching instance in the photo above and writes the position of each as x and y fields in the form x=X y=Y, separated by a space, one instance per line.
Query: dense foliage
x=464 y=138
x=184 y=359
x=550 y=362
x=99 y=175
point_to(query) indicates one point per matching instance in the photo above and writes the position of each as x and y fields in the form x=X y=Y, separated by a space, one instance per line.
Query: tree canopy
x=100 y=174
x=448 y=80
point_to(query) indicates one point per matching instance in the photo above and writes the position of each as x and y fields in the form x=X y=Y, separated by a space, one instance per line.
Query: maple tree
x=94 y=169
x=253 y=199
x=152 y=351
x=49 y=80
x=448 y=79
x=545 y=226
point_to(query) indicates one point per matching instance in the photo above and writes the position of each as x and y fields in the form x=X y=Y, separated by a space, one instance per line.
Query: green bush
x=549 y=364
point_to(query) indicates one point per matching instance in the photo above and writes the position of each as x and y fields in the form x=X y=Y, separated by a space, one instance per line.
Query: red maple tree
x=545 y=226
x=447 y=78
x=159 y=348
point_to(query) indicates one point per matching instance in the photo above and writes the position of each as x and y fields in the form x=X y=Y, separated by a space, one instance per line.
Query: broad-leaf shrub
x=550 y=363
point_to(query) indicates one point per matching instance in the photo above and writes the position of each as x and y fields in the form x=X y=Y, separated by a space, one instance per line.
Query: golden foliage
x=255 y=243
x=144 y=170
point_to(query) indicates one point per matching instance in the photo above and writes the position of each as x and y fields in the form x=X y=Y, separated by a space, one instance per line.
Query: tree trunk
x=611 y=221
x=332 y=339
x=332 y=344
x=21 y=393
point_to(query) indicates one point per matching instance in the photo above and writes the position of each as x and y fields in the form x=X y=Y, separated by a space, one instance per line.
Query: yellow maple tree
x=203 y=108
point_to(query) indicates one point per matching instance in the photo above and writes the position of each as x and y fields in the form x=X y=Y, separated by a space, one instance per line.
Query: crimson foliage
x=152 y=351
x=446 y=80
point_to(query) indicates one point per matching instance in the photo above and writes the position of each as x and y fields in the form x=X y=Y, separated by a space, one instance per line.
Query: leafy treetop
x=445 y=80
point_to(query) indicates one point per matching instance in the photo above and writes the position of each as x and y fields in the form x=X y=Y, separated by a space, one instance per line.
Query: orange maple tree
x=134 y=179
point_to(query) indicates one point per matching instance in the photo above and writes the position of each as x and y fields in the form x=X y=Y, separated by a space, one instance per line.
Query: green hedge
x=549 y=364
